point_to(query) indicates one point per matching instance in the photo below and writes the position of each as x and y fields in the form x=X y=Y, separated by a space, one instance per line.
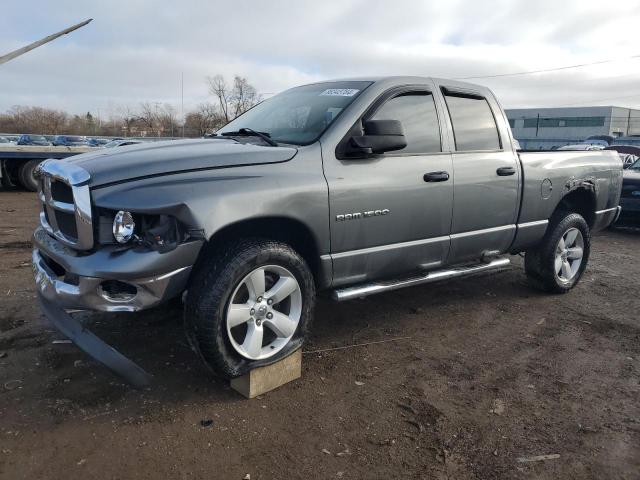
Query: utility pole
x=31 y=46
x=182 y=101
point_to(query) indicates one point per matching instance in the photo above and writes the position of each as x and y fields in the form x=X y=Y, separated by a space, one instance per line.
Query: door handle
x=436 y=177
x=506 y=171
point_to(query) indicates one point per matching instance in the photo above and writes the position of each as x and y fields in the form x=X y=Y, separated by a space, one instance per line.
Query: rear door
x=386 y=219
x=486 y=172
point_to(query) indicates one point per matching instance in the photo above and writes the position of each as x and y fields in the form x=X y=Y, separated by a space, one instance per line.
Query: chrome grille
x=66 y=203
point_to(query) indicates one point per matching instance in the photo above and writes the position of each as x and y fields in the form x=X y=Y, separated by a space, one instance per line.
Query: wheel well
x=582 y=201
x=283 y=229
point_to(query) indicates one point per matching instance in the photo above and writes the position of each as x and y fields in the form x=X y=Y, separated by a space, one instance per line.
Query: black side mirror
x=380 y=136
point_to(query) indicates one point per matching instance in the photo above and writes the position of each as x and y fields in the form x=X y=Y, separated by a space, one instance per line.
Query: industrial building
x=547 y=128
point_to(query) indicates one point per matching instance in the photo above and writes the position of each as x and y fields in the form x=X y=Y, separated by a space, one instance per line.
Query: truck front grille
x=66 y=203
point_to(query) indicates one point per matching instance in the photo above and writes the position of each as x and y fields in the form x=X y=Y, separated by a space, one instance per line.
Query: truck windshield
x=300 y=115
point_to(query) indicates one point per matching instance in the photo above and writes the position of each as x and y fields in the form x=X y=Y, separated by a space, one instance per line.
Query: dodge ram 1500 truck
x=353 y=187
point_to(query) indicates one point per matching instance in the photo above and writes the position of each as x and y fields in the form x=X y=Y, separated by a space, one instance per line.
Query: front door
x=387 y=218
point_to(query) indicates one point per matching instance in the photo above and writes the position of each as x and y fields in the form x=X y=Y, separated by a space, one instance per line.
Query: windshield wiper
x=249 y=131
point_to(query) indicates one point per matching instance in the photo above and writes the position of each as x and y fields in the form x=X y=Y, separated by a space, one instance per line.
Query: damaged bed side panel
x=550 y=176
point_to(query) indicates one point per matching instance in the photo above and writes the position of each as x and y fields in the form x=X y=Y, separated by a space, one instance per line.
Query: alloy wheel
x=264 y=312
x=569 y=253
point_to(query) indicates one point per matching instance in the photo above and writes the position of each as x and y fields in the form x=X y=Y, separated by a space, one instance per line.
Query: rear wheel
x=27 y=175
x=558 y=263
x=249 y=305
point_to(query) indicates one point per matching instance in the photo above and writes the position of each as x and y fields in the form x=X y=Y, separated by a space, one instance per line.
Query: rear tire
x=250 y=304
x=558 y=262
x=27 y=175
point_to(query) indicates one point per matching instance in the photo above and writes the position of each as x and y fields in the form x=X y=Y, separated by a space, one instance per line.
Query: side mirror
x=380 y=136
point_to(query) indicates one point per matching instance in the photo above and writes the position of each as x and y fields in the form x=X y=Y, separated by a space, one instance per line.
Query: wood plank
x=264 y=379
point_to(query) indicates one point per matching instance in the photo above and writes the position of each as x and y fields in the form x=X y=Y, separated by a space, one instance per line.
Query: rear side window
x=474 y=127
x=417 y=113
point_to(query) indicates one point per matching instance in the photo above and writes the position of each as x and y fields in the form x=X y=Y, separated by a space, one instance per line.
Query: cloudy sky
x=137 y=50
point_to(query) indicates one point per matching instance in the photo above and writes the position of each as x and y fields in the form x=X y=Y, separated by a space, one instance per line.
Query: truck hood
x=174 y=156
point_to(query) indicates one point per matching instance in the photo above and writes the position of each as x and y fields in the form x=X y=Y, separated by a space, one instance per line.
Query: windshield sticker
x=340 y=92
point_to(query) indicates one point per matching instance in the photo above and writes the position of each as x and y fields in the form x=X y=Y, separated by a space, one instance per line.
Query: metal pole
x=182 y=101
x=23 y=50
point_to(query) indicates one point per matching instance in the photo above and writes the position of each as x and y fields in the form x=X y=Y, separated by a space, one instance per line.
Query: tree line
x=147 y=119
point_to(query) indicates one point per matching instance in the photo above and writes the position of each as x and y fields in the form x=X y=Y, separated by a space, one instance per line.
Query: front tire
x=557 y=264
x=249 y=305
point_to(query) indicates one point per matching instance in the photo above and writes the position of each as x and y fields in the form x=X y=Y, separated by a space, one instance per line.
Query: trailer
x=18 y=162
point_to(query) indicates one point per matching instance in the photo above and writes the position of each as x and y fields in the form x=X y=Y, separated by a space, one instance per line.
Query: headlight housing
x=123 y=226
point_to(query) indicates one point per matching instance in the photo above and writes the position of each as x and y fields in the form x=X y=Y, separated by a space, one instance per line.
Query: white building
x=545 y=128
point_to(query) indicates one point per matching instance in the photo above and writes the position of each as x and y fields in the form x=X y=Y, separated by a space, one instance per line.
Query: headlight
x=123 y=226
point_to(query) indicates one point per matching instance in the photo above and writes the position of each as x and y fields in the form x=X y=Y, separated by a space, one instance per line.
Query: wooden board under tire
x=264 y=379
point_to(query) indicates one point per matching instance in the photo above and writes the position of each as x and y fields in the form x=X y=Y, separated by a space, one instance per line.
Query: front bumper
x=73 y=280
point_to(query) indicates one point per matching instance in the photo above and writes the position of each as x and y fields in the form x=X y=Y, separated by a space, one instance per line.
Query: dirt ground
x=474 y=375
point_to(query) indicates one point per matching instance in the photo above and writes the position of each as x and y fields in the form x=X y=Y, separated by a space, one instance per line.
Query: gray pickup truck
x=352 y=187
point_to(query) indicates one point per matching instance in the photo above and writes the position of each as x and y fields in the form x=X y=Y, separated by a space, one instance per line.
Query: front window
x=416 y=111
x=635 y=165
x=300 y=115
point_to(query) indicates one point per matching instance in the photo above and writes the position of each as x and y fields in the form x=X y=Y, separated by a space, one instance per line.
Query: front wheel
x=557 y=264
x=249 y=305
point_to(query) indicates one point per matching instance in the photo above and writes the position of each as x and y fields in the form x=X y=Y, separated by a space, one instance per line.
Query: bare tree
x=243 y=96
x=235 y=100
x=33 y=120
x=127 y=121
x=219 y=89
x=167 y=119
x=147 y=117
x=205 y=119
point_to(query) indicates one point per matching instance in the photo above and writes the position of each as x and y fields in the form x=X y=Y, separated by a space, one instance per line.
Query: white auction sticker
x=340 y=92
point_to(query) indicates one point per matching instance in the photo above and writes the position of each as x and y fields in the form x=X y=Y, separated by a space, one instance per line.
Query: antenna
x=23 y=50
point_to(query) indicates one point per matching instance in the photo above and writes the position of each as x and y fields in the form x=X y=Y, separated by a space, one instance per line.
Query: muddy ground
x=474 y=375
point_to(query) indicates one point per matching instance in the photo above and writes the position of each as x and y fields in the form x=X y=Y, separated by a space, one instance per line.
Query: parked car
x=97 y=142
x=353 y=187
x=630 y=198
x=5 y=140
x=33 y=140
x=628 y=154
x=600 y=139
x=582 y=146
x=596 y=142
x=122 y=143
x=70 y=141
x=628 y=140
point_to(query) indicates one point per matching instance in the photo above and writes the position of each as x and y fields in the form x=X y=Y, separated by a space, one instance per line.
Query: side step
x=364 y=290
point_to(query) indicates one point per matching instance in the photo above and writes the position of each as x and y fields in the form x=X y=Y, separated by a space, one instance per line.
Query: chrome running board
x=364 y=290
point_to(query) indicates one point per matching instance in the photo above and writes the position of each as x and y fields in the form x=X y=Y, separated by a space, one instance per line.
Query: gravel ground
x=473 y=376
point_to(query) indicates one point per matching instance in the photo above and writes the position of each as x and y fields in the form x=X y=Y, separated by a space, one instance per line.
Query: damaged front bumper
x=106 y=280
x=93 y=346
